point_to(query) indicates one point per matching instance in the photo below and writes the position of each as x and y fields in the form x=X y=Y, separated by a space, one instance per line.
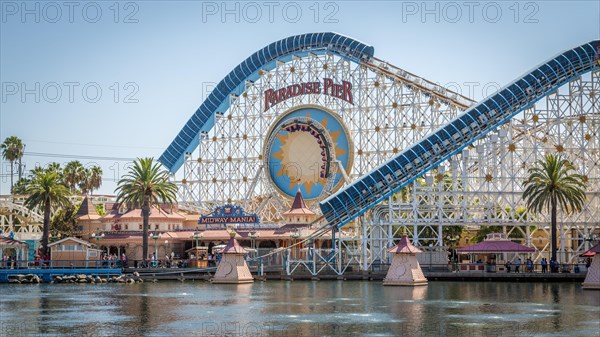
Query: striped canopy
x=7 y=241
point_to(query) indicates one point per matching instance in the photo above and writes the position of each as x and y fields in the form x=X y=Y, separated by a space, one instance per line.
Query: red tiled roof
x=592 y=251
x=281 y=233
x=404 y=247
x=87 y=210
x=222 y=234
x=207 y=235
x=298 y=201
x=299 y=206
x=136 y=213
x=233 y=247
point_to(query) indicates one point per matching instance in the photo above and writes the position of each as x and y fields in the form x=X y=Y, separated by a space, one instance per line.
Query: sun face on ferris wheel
x=302 y=147
x=302 y=142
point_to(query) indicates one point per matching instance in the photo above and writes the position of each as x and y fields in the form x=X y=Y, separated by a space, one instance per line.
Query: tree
x=53 y=166
x=73 y=174
x=64 y=221
x=100 y=209
x=91 y=179
x=46 y=192
x=513 y=232
x=147 y=185
x=20 y=187
x=12 y=150
x=96 y=178
x=550 y=185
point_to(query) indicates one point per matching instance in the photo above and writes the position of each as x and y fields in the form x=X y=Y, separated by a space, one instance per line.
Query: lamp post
x=430 y=255
x=98 y=237
x=155 y=236
x=198 y=236
x=295 y=235
x=453 y=240
x=590 y=240
x=253 y=235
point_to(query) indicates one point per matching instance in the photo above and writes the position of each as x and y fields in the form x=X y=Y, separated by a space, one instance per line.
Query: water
x=318 y=308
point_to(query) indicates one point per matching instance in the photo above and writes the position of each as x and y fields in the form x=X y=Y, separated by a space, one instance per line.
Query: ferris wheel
x=318 y=112
x=321 y=114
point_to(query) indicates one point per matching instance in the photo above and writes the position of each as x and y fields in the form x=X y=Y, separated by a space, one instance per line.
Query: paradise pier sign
x=342 y=91
x=228 y=214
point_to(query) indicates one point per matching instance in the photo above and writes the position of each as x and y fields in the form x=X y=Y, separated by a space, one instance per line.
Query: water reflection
x=300 y=309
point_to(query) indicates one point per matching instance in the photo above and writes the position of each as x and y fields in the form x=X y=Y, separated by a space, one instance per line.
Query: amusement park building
x=174 y=231
x=374 y=150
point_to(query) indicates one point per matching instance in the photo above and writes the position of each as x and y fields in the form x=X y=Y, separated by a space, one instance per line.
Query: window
x=141 y=226
x=156 y=226
x=71 y=248
x=126 y=227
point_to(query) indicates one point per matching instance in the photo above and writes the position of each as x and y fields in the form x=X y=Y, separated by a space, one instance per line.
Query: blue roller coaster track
x=235 y=83
x=388 y=178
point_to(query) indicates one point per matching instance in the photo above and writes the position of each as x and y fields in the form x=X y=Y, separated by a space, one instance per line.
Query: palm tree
x=96 y=178
x=20 y=187
x=146 y=185
x=73 y=174
x=551 y=185
x=91 y=179
x=12 y=150
x=46 y=192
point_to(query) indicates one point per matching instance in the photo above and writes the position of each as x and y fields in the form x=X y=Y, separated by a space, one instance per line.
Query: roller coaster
x=391 y=176
x=417 y=155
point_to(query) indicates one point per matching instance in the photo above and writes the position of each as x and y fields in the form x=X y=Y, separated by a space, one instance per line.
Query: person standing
x=517 y=265
x=544 y=264
x=124 y=261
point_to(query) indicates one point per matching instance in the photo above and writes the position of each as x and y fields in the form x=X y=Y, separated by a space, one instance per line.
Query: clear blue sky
x=164 y=55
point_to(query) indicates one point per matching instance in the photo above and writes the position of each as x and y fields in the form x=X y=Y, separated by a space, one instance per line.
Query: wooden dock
x=187 y=274
x=446 y=276
x=204 y=275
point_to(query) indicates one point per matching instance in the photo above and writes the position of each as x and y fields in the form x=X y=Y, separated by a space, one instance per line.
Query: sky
x=105 y=81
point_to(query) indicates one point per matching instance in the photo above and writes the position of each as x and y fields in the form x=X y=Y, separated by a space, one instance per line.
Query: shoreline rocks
x=24 y=279
x=82 y=278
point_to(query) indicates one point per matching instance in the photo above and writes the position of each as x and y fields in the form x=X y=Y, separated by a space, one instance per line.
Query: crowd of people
x=551 y=266
x=7 y=261
x=175 y=261
x=113 y=260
